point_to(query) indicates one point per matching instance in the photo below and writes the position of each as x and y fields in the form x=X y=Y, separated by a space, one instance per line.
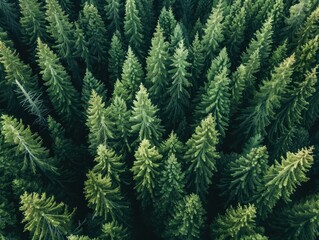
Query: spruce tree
x=29 y=145
x=178 y=91
x=167 y=22
x=98 y=122
x=282 y=179
x=132 y=75
x=81 y=44
x=116 y=57
x=115 y=231
x=201 y=156
x=105 y=199
x=256 y=117
x=44 y=217
x=172 y=145
x=187 y=221
x=197 y=60
x=9 y=17
x=144 y=121
x=146 y=171
x=63 y=95
x=133 y=27
x=113 y=10
x=235 y=223
x=157 y=67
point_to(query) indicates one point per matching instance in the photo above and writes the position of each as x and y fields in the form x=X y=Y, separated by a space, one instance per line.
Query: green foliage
x=188 y=219
x=172 y=145
x=113 y=10
x=44 y=217
x=167 y=22
x=144 y=121
x=116 y=57
x=201 y=156
x=114 y=231
x=282 y=179
x=235 y=223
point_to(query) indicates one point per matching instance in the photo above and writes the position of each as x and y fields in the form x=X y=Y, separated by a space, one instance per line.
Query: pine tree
x=44 y=217
x=144 y=121
x=172 y=145
x=282 y=179
x=146 y=171
x=113 y=10
x=244 y=175
x=116 y=58
x=108 y=163
x=213 y=32
x=216 y=100
x=133 y=27
x=235 y=223
x=63 y=95
x=32 y=22
x=146 y=14
x=178 y=91
x=81 y=45
x=98 y=122
x=167 y=22
x=90 y=83
x=76 y=237
x=29 y=145
x=256 y=117
x=105 y=199
x=115 y=231
x=201 y=156
x=187 y=220
x=157 y=67
x=95 y=33
x=254 y=237
x=177 y=36
x=132 y=75
x=299 y=221
x=9 y=17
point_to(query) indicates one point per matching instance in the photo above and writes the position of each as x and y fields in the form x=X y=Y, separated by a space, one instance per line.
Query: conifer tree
x=81 y=45
x=95 y=33
x=115 y=231
x=244 y=175
x=157 y=67
x=9 y=17
x=90 y=83
x=172 y=145
x=146 y=171
x=63 y=95
x=146 y=13
x=144 y=121
x=32 y=22
x=299 y=221
x=105 y=199
x=213 y=32
x=187 y=220
x=98 y=122
x=132 y=75
x=133 y=27
x=177 y=36
x=108 y=163
x=235 y=223
x=178 y=91
x=197 y=60
x=116 y=57
x=256 y=117
x=167 y=22
x=44 y=217
x=254 y=237
x=201 y=156
x=76 y=237
x=113 y=10
x=29 y=145
x=282 y=179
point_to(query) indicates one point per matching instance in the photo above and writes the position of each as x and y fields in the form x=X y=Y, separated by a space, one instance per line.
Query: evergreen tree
x=9 y=17
x=95 y=34
x=29 y=145
x=157 y=67
x=177 y=36
x=109 y=164
x=282 y=179
x=256 y=117
x=167 y=22
x=44 y=217
x=132 y=75
x=98 y=122
x=105 y=199
x=146 y=171
x=254 y=237
x=133 y=27
x=201 y=156
x=244 y=175
x=144 y=122
x=90 y=83
x=299 y=221
x=114 y=231
x=178 y=92
x=81 y=45
x=172 y=145
x=235 y=223
x=116 y=58
x=187 y=220
x=32 y=22
x=63 y=95
x=113 y=10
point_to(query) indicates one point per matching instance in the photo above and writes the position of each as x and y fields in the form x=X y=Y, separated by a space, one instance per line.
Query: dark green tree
x=167 y=22
x=116 y=57
x=114 y=12
x=115 y=231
